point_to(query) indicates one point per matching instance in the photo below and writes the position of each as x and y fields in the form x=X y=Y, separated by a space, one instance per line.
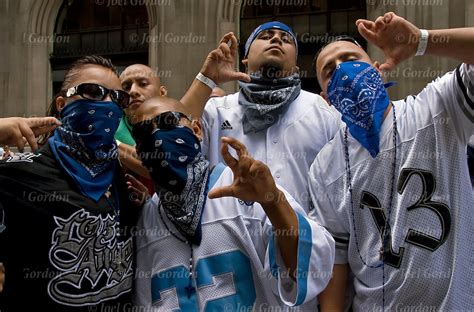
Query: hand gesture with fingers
x=138 y=192
x=220 y=63
x=253 y=180
x=395 y=36
x=18 y=131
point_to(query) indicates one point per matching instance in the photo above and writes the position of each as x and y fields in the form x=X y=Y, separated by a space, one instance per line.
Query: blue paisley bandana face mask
x=357 y=91
x=84 y=144
x=180 y=174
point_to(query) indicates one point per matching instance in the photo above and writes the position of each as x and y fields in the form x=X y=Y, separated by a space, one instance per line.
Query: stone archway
x=37 y=41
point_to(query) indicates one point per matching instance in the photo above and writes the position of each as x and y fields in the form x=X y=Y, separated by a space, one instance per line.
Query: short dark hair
x=83 y=61
x=332 y=40
x=72 y=73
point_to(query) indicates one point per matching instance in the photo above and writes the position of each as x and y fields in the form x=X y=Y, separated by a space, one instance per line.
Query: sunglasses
x=95 y=92
x=163 y=121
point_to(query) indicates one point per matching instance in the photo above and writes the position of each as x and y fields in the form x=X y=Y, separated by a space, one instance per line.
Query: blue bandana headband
x=265 y=26
x=357 y=91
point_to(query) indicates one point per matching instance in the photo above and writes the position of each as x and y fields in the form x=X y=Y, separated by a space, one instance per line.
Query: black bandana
x=266 y=99
x=180 y=174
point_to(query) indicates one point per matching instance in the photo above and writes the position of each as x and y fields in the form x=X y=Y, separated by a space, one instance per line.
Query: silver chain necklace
x=386 y=230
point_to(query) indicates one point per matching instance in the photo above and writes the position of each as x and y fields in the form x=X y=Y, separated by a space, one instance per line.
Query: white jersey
x=237 y=266
x=430 y=263
x=288 y=147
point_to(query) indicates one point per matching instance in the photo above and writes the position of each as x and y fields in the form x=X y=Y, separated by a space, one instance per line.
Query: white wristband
x=207 y=81
x=423 y=43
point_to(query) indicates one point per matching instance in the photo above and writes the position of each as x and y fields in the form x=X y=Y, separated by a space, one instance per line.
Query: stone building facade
x=178 y=34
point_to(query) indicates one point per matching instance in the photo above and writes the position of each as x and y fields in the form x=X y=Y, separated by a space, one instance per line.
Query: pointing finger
x=225 y=191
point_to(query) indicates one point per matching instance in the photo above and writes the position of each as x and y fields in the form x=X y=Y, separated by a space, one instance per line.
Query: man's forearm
x=332 y=298
x=129 y=158
x=457 y=43
x=285 y=222
x=195 y=98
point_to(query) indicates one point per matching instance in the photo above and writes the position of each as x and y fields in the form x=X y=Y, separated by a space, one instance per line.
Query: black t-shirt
x=61 y=250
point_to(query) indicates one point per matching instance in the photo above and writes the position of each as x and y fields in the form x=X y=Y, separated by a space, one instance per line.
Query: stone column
x=186 y=32
x=469 y=13
x=25 y=77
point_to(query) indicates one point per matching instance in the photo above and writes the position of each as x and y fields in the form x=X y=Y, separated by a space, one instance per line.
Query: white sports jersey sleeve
x=315 y=260
x=453 y=93
x=325 y=214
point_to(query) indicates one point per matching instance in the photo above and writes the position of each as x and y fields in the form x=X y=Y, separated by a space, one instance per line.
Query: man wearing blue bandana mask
x=85 y=146
x=221 y=229
x=358 y=93
x=280 y=124
x=393 y=185
x=65 y=209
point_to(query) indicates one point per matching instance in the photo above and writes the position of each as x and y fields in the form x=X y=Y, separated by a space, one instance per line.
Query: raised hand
x=137 y=191
x=394 y=35
x=220 y=63
x=253 y=180
x=17 y=131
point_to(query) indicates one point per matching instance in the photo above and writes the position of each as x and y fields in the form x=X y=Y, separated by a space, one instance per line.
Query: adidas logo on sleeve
x=226 y=125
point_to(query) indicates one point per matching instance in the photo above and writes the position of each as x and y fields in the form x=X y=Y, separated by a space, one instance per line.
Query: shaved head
x=142 y=83
x=138 y=69
x=161 y=104
x=155 y=106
